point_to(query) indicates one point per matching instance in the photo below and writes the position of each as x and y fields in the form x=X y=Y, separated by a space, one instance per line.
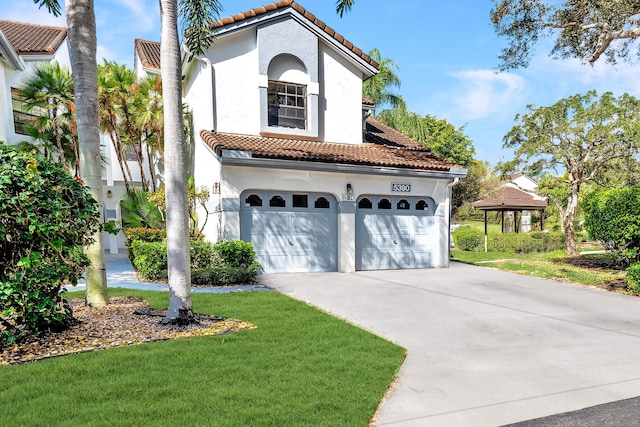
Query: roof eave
x=232 y=158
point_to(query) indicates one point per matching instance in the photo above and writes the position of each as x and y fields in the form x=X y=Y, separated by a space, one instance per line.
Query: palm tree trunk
x=153 y=175
x=180 y=308
x=81 y=24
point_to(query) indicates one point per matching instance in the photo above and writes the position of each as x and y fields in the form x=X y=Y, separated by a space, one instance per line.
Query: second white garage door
x=395 y=232
x=291 y=232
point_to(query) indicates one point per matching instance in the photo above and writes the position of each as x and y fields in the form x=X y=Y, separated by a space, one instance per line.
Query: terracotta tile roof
x=149 y=53
x=509 y=196
x=370 y=154
x=311 y=17
x=367 y=101
x=32 y=39
x=378 y=133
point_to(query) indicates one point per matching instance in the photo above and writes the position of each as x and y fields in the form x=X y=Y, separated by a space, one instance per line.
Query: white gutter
x=10 y=54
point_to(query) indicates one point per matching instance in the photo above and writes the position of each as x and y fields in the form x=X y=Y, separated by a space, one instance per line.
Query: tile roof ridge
x=52 y=27
x=269 y=7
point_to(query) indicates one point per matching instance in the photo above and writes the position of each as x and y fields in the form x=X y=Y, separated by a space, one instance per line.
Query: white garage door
x=395 y=232
x=291 y=232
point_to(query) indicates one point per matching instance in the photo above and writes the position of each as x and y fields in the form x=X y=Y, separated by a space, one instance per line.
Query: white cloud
x=139 y=13
x=483 y=93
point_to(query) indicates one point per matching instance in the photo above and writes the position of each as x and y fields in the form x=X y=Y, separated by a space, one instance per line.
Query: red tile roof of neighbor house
x=261 y=10
x=387 y=148
x=32 y=39
x=149 y=53
x=508 y=197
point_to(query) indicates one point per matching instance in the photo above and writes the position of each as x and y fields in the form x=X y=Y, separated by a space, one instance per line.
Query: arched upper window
x=422 y=206
x=277 y=202
x=384 y=204
x=287 y=92
x=403 y=205
x=365 y=204
x=253 y=200
x=322 y=203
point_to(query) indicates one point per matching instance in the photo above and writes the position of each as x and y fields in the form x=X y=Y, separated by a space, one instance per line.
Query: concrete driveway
x=485 y=347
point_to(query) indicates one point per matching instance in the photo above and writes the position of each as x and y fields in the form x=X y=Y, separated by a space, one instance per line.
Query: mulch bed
x=114 y=325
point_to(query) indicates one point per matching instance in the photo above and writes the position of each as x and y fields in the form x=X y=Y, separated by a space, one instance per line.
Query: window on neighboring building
x=21 y=115
x=287 y=104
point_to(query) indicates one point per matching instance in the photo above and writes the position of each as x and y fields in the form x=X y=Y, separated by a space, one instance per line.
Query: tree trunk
x=81 y=25
x=180 y=309
x=567 y=221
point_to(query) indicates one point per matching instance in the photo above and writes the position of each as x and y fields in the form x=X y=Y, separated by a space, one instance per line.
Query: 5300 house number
x=400 y=188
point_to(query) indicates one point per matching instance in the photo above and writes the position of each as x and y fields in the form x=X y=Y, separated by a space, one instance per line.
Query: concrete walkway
x=486 y=347
x=120 y=274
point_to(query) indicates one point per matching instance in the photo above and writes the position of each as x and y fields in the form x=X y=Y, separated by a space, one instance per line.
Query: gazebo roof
x=509 y=197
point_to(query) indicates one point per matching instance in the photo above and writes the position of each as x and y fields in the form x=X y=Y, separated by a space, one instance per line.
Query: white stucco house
x=23 y=47
x=293 y=159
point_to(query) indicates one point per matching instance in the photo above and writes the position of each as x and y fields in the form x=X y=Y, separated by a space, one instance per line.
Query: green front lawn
x=299 y=367
x=549 y=265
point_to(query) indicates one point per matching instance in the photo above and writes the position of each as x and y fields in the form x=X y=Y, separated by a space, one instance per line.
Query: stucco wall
x=341 y=99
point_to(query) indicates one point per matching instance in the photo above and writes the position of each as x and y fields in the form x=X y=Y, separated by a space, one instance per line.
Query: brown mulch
x=114 y=325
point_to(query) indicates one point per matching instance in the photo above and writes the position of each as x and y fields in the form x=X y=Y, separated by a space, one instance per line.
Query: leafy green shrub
x=469 y=238
x=149 y=259
x=46 y=217
x=237 y=253
x=138 y=211
x=145 y=234
x=525 y=243
x=612 y=217
x=550 y=241
x=633 y=277
x=207 y=264
x=224 y=275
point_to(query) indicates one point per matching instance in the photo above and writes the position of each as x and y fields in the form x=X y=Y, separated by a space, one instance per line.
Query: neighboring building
x=523 y=181
x=293 y=161
x=23 y=47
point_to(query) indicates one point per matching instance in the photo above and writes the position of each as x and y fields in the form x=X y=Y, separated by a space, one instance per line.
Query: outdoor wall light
x=109 y=194
x=349 y=190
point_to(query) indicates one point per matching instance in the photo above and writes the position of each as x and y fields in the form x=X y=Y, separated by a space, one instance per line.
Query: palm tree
x=81 y=23
x=50 y=89
x=197 y=19
x=343 y=6
x=378 y=88
x=109 y=123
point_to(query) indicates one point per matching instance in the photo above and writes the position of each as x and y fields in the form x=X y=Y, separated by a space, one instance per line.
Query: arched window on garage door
x=277 y=202
x=322 y=203
x=384 y=204
x=253 y=200
x=403 y=205
x=426 y=205
x=365 y=204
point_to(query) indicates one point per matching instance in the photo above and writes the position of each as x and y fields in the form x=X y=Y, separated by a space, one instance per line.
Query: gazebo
x=510 y=198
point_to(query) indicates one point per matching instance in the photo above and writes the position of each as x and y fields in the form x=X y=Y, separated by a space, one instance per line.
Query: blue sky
x=446 y=52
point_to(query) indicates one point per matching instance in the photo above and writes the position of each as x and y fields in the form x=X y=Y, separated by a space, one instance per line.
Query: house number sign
x=397 y=187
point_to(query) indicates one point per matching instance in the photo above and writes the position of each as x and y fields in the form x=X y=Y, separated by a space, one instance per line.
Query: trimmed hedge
x=220 y=264
x=469 y=239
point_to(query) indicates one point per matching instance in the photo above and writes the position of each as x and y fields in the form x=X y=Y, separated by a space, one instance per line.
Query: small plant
x=633 y=277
